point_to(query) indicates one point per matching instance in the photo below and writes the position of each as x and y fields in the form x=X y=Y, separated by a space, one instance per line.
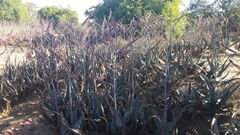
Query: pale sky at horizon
x=75 y=5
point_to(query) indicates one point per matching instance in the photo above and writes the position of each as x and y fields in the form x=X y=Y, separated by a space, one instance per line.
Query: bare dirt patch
x=27 y=108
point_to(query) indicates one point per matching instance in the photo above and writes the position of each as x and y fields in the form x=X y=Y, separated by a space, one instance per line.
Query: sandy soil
x=27 y=107
x=14 y=54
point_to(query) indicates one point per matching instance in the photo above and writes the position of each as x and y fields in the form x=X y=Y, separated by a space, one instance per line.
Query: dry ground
x=25 y=109
x=16 y=54
x=28 y=107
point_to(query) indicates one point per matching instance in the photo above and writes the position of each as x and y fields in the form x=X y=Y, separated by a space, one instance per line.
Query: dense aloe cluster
x=117 y=79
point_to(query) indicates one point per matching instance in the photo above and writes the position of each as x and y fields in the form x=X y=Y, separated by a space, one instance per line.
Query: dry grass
x=11 y=33
x=16 y=56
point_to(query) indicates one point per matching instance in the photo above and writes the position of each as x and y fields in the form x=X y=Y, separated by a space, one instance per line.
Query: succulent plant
x=129 y=80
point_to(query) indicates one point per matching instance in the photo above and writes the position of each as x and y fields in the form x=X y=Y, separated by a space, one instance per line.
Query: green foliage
x=172 y=14
x=127 y=10
x=13 y=10
x=32 y=9
x=130 y=9
x=58 y=15
x=230 y=10
x=201 y=8
x=103 y=10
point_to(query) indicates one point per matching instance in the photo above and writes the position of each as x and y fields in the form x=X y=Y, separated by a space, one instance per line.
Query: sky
x=76 y=5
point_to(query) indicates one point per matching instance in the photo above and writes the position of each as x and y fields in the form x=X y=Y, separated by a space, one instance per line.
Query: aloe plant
x=115 y=79
x=120 y=86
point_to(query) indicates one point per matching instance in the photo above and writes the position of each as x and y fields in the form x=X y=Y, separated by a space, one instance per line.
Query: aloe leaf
x=159 y=125
x=140 y=114
x=225 y=75
x=80 y=123
x=214 y=127
x=223 y=67
x=91 y=125
x=153 y=127
x=74 y=117
x=96 y=110
x=127 y=116
x=155 y=124
x=226 y=94
x=48 y=118
x=179 y=114
x=48 y=105
x=224 y=83
x=130 y=121
x=207 y=83
x=119 y=122
x=237 y=125
x=223 y=95
x=200 y=64
x=64 y=123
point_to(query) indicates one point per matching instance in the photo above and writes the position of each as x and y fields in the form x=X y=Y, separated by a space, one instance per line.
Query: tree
x=229 y=9
x=226 y=10
x=233 y=16
x=201 y=8
x=32 y=9
x=170 y=11
x=127 y=10
x=58 y=15
x=13 y=10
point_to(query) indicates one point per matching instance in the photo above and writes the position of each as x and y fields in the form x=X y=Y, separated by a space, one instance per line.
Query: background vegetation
x=13 y=10
x=58 y=15
x=126 y=11
x=134 y=67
